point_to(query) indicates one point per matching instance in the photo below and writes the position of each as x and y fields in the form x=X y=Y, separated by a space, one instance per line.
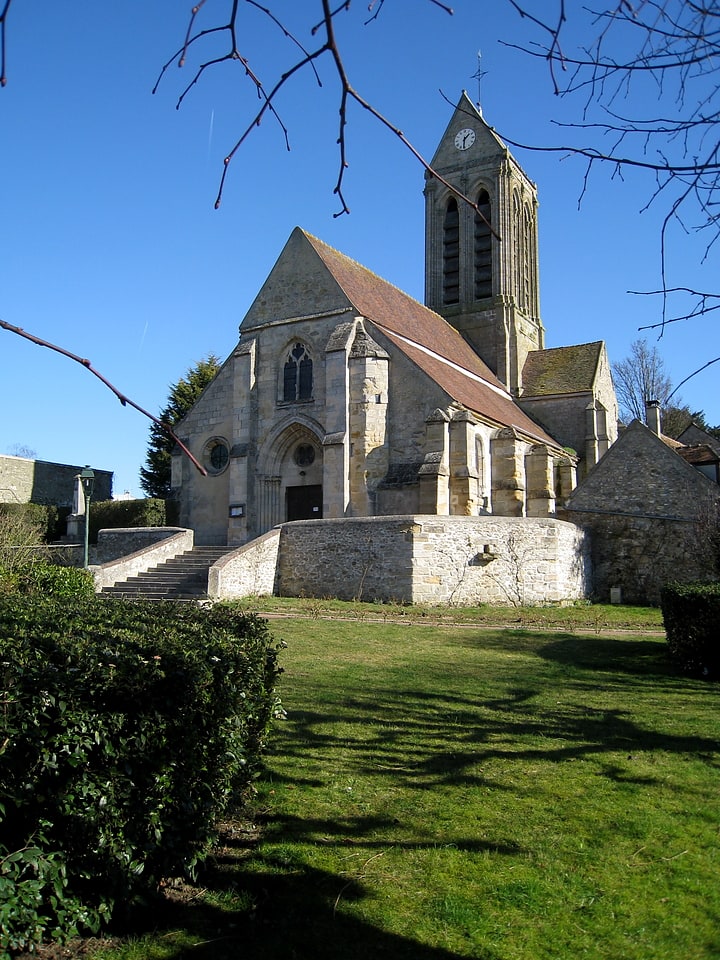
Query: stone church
x=346 y=398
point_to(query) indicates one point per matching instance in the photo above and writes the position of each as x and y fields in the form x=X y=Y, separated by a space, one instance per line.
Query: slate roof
x=561 y=370
x=641 y=475
x=699 y=454
x=429 y=341
x=694 y=434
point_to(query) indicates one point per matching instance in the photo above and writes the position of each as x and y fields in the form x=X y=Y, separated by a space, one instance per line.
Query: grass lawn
x=448 y=791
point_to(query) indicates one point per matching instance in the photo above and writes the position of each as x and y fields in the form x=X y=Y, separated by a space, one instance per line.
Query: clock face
x=465 y=138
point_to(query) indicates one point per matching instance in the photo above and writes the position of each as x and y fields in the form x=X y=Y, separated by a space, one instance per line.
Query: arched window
x=451 y=253
x=297 y=374
x=483 y=247
x=526 y=301
x=519 y=253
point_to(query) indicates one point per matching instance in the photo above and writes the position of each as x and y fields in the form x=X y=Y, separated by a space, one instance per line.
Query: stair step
x=179 y=578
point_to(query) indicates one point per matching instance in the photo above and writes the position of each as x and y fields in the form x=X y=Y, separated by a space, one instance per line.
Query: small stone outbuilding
x=648 y=512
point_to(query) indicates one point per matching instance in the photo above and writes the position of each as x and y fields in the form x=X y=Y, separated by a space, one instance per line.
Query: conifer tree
x=155 y=475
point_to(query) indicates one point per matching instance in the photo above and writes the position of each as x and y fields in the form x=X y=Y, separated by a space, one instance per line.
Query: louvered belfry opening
x=483 y=247
x=451 y=253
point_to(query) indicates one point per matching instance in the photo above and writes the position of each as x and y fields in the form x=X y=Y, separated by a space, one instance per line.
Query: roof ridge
x=356 y=263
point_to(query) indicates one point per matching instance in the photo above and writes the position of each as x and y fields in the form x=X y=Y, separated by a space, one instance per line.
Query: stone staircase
x=184 y=577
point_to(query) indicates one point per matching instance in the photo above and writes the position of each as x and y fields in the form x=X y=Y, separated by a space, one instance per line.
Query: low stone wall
x=250 y=570
x=117 y=543
x=639 y=554
x=430 y=559
x=148 y=545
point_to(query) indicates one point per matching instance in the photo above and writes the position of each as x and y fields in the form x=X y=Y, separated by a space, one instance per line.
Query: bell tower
x=481 y=268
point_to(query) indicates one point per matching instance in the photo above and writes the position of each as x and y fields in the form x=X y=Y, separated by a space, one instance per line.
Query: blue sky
x=110 y=245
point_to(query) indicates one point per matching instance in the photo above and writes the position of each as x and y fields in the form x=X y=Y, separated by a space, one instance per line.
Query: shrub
x=40 y=577
x=130 y=728
x=43 y=523
x=21 y=536
x=115 y=514
x=691 y=615
x=34 y=904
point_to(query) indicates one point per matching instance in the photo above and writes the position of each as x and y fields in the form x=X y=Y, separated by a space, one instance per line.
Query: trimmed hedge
x=115 y=514
x=130 y=728
x=691 y=615
x=50 y=521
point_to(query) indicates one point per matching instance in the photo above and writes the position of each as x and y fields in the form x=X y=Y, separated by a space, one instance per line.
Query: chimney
x=652 y=415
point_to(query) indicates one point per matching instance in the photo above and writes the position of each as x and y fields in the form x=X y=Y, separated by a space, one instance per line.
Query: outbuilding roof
x=561 y=370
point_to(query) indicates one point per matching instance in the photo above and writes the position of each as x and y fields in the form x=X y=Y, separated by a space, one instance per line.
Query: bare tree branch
x=703 y=304
x=694 y=374
x=3 y=28
x=675 y=45
x=125 y=401
x=268 y=95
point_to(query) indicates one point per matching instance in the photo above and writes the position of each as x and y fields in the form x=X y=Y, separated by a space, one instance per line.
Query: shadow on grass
x=646 y=658
x=264 y=903
x=268 y=907
x=442 y=735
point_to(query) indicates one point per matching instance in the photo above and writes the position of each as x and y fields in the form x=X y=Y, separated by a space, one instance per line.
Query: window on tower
x=451 y=253
x=483 y=247
x=527 y=304
x=297 y=374
x=519 y=234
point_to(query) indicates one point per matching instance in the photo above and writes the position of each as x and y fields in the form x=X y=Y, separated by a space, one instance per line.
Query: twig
x=646 y=863
x=3 y=28
x=125 y=401
x=361 y=876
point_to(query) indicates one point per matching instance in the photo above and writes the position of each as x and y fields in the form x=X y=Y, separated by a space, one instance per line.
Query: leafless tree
x=639 y=377
x=642 y=376
x=646 y=74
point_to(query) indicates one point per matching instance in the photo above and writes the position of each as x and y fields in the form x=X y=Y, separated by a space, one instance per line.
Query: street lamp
x=87 y=479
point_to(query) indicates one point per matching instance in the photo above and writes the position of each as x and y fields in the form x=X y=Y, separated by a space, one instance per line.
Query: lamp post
x=87 y=479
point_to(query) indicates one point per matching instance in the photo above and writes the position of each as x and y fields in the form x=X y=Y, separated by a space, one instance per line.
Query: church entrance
x=304 y=503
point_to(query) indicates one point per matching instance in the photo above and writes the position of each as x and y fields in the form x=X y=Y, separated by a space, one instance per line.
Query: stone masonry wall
x=641 y=554
x=39 y=481
x=150 y=545
x=499 y=560
x=424 y=559
x=249 y=571
x=367 y=558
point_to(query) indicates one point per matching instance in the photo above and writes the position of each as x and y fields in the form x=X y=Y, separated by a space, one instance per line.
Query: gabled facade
x=345 y=397
x=569 y=390
x=647 y=511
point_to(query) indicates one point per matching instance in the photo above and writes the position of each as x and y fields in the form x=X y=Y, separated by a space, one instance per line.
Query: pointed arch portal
x=290 y=469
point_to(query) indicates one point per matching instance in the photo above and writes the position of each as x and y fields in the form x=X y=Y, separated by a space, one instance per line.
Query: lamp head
x=87 y=478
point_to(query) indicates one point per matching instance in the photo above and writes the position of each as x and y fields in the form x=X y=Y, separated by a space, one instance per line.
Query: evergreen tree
x=155 y=475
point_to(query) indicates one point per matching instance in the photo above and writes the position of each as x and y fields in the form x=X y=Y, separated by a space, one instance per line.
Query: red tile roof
x=429 y=341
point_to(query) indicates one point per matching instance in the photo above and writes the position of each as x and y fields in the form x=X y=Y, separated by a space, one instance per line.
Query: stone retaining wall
x=639 y=554
x=429 y=559
x=250 y=571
